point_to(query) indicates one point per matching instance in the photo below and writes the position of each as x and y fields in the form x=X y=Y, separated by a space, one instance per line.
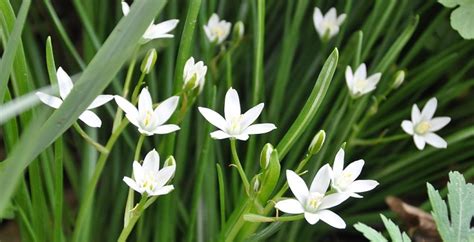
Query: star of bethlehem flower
x=358 y=82
x=194 y=74
x=148 y=178
x=422 y=125
x=147 y=120
x=217 y=30
x=65 y=86
x=155 y=31
x=235 y=125
x=313 y=202
x=344 y=180
x=328 y=25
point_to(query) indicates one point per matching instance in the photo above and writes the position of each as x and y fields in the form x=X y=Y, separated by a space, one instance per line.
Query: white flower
x=155 y=31
x=235 y=124
x=148 y=178
x=358 y=83
x=422 y=125
x=328 y=25
x=344 y=180
x=65 y=86
x=147 y=120
x=313 y=203
x=194 y=74
x=217 y=31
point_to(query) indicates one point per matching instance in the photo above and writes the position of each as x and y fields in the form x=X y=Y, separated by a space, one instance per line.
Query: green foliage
x=393 y=231
x=455 y=224
x=462 y=16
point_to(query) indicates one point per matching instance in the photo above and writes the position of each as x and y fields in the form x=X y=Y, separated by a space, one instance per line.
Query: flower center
x=148 y=117
x=235 y=122
x=343 y=181
x=423 y=127
x=149 y=182
x=360 y=84
x=314 y=201
x=218 y=31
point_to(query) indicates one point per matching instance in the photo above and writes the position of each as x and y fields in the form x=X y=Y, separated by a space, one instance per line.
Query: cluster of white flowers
x=316 y=201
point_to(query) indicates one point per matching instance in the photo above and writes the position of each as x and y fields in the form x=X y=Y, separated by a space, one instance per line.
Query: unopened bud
x=170 y=161
x=374 y=107
x=149 y=61
x=238 y=31
x=265 y=155
x=251 y=217
x=399 y=78
x=317 y=142
x=255 y=185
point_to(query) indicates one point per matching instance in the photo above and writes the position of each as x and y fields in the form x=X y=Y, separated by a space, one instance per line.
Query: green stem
x=136 y=213
x=137 y=89
x=91 y=141
x=237 y=164
x=380 y=140
x=130 y=199
x=264 y=219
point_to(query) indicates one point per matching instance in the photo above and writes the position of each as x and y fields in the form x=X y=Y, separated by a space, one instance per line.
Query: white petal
x=439 y=123
x=138 y=172
x=312 y=218
x=64 y=83
x=166 y=129
x=331 y=14
x=126 y=106
x=407 y=126
x=166 y=108
x=361 y=72
x=189 y=65
x=242 y=137
x=415 y=114
x=231 y=105
x=338 y=165
x=163 y=190
x=291 y=206
x=125 y=8
x=144 y=101
x=374 y=79
x=297 y=185
x=213 y=117
x=332 y=200
x=341 y=19
x=52 y=101
x=209 y=34
x=362 y=185
x=151 y=161
x=132 y=119
x=317 y=16
x=259 y=128
x=355 y=168
x=100 y=100
x=219 y=134
x=164 y=175
x=132 y=184
x=213 y=20
x=419 y=141
x=332 y=219
x=435 y=140
x=349 y=77
x=161 y=30
x=429 y=109
x=251 y=115
x=321 y=181
x=91 y=119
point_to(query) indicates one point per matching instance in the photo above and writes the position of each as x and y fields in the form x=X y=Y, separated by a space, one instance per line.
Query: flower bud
x=317 y=143
x=170 y=162
x=149 y=61
x=238 y=31
x=265 y=155
x=251 y=217
x=374 y=107
x=255 y=185
x=399 y=78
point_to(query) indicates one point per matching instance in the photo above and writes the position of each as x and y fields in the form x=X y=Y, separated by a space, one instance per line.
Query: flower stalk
x=135 y=215
x=238 y=165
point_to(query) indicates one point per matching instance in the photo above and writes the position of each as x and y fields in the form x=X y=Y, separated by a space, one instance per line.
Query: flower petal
x=163 y=190
x=317 y=16
x=125 y=8
x=361 y=72
x=355 y=168
x=362 y=185
x=435 y=140
x=161 y=30
x=100 y=100
x=429 y=109
x=137 y=171
x=259 y=128
x=321 y=181
x=231 y=105
x=349 y=77
x=64 y=83
x=439 y=123
x=242 y=137
x=297 y=185
x=251 y=115
x=374 y=79
x=132 y=184
x=338 y=165
x=333 y=200
x=341 y=19
x=407 y=126
x=311 y=218
x=291 y=206
x=166 y=129
x=144 y=101
x=213 y=117
x=331 y=14
x=332 y=219
x=126 y=106
x=164 y=175
x=91 y=119
x=52 y=101
x=151 y=161
x=415 y=114
x=419 y=141
x=166 y=108
x=219 y=134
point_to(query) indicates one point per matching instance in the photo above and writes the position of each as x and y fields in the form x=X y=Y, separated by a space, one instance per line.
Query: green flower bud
x=269 y=177
x=149 y=61
x=170 y=161
x=317 y=142
x=255 y=185
x=265 y=155
x=238 y=31
x=399 y=78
